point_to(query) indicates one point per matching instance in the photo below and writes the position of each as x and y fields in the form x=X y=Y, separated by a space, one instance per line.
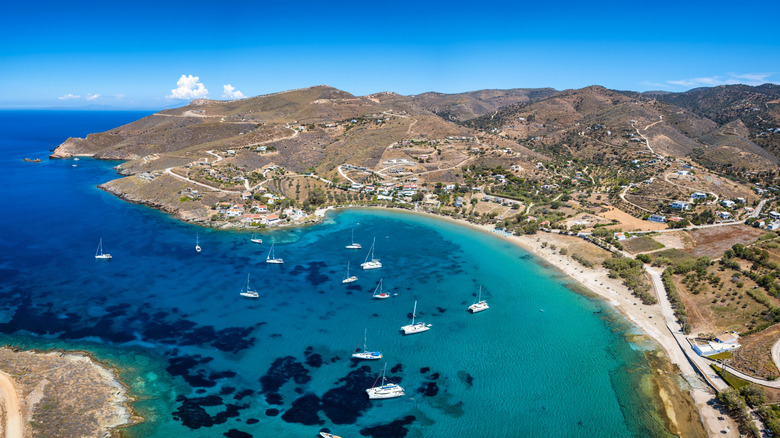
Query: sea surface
x=204 y=362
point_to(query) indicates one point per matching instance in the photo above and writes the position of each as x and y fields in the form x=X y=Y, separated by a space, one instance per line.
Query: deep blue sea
x=543 y=361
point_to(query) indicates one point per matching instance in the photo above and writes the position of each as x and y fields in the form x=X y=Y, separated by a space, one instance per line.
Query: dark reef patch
x=192 y=413
x=274 y=398
x=270 y=412
x=282 y=370
x=304 y=410
x=234 y=433
x=466 y=378
x=344 y=404
x=395 y=429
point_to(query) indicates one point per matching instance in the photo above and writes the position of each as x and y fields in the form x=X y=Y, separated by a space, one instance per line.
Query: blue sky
x=148 y=55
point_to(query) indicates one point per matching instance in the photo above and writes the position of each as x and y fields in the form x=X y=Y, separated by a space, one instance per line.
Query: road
x=14 y=428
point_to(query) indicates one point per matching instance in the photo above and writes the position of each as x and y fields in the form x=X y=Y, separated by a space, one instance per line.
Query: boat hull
x=367 y=355
x=257 y=240
x=349 y=280
x=478 y=307
x=250 y=294
x=103 y=257
x=387 y=391
x=275 y=261
x=415 y=328
x=374 y=264
x=354 y=246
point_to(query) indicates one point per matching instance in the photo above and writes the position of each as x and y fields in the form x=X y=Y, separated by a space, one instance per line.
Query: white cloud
x=91 y=96
x=69 y=97
x=728 y=79
x=188 y=87
x=230 y=92
x=119 y=96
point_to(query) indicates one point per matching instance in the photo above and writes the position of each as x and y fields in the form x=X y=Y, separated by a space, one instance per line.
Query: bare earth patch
x=678 y=240
x=631 y=223
x=713 y=242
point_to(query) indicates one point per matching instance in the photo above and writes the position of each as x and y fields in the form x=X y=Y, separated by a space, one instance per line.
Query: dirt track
x=12 y=422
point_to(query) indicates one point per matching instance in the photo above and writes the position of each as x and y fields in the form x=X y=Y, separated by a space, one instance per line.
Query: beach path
x=12 y=422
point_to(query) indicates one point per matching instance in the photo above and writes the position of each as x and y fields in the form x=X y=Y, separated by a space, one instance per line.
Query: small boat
x=347 y=277
x=374 y=263
x=246 y=291
x=328 y=435
x=254 y=238
x=76 y=159
x=365 y=354
x=379 y=294
x=480 y=304
x=352 y=244
x=197 y=243
x=414 y=327
x=386 y=390
x=271 y=258
x=99 y=253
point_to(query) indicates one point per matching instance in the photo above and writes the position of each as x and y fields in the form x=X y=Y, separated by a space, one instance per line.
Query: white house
x=680 y=205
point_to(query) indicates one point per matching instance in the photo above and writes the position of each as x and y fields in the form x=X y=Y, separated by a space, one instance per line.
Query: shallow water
x=204 y=361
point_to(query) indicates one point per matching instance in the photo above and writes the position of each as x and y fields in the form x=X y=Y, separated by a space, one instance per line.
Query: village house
x=680 y=205
x=699 y=195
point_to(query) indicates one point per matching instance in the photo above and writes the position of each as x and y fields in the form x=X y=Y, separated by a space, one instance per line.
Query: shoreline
x=648 y=319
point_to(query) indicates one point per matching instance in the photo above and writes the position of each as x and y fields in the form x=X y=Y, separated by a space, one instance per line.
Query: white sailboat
x=374 y=263
x=352 y=243
x=379 y=294
x=247 y=292
x=328 y=435
x=386 y=390
x=414 y=327
x=480 y=304
x=197 y=243
x=99 y=253
x=254 y=238
x=271 y=258
x=347 y=277
x=365 y=354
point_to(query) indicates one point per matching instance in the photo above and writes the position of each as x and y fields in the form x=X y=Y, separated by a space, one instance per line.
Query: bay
x=202 y=361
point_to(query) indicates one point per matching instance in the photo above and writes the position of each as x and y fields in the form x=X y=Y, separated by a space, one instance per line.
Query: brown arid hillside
x=641 y=151
x=465 y=106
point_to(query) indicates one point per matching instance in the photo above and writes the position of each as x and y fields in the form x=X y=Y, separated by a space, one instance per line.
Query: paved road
x=14 y=428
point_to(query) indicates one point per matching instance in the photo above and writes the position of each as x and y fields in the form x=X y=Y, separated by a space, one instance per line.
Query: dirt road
x=13 y=412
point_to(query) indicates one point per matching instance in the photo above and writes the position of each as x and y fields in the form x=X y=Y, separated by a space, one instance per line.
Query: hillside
x=529 y=147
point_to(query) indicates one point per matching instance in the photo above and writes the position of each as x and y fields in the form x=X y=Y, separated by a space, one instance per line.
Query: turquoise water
x=542 y=361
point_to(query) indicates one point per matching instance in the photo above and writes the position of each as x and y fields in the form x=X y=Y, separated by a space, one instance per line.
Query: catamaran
x=386 y=390
x=347 y=277
x=353 y=244
x=379 y=294
x=418 y=327
x=197 y=243
x=99 y=253
x=271 y=258
x=254 y=238
x=365 y=354
x=480 y=304
x=374 y=263
x=247 y=292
